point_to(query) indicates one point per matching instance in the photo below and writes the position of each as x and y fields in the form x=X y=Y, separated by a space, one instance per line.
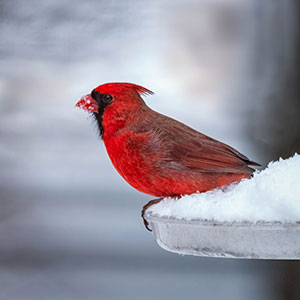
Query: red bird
x=156 y=154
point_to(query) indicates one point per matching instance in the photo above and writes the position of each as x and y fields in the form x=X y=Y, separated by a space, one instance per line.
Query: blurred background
x=70 y=226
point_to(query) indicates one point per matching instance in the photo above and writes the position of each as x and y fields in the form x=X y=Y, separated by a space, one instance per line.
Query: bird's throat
x=108 y=121
x=99 y=119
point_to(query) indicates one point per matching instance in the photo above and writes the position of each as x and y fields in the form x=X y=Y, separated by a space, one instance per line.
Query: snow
x=273 y=194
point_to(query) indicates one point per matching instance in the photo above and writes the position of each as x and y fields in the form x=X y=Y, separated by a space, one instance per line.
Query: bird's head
x=118 y=98
x=118 y=93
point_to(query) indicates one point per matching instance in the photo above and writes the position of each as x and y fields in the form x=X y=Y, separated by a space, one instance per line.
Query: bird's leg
x=150 y=203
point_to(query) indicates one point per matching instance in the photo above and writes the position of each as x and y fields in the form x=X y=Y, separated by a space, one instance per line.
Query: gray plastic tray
x=235 y=240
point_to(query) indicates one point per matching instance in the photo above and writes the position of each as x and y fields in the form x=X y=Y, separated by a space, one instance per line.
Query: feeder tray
x=261 y=240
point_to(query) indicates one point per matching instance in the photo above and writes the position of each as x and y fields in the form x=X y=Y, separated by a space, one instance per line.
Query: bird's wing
x=195 y=151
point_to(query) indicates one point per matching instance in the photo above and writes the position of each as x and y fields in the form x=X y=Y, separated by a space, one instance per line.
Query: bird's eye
x=107 y=98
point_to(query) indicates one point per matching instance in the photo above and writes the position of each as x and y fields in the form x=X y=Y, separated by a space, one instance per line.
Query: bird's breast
x=129 y=154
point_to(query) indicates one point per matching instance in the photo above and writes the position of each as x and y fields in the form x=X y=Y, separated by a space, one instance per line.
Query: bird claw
x=145 y=207
x=146 y=223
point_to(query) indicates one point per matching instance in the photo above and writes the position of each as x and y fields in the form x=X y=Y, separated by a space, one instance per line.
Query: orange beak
x=88 y=103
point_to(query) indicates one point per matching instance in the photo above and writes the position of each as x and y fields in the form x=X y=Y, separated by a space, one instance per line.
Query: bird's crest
x=121 y=87
x=139 y=89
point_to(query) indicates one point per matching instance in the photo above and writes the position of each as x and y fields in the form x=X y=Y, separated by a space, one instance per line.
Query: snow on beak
x=88 y=103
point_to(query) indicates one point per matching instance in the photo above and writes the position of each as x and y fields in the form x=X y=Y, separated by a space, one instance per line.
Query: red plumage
x=156 y=154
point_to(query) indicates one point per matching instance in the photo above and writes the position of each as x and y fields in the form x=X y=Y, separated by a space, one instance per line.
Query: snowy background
x=70 y=227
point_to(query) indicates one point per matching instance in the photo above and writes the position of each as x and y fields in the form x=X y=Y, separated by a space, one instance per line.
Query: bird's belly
x=149 y=176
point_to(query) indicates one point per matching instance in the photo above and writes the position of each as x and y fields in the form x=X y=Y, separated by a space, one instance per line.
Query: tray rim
x=262 y=225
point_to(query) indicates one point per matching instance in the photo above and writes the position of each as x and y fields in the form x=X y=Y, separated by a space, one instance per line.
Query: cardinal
x=156 y=154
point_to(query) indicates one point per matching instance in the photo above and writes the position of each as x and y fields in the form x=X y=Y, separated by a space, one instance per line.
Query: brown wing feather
x=196 y=151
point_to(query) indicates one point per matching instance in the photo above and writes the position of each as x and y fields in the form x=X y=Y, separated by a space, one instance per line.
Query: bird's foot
x=145 y=207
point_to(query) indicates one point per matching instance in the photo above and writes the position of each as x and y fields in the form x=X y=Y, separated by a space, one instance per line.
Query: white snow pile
x=271 y=195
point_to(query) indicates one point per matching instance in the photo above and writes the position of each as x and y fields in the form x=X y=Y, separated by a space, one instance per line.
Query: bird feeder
x=232 y=240
x=256 y=218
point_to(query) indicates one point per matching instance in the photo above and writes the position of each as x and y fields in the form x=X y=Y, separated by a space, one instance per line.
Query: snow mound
x=271 y=195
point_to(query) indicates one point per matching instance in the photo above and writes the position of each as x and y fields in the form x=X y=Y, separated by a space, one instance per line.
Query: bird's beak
x=88 y=103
